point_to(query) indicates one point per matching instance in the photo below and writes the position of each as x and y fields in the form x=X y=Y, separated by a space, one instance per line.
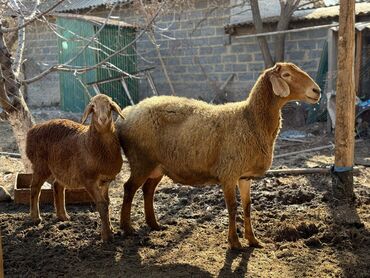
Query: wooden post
x=358 y=61
x=345 y=105
x=1 y=259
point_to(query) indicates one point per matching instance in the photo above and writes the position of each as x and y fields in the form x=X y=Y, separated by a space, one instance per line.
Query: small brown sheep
x=195 y=143
x=75 y=155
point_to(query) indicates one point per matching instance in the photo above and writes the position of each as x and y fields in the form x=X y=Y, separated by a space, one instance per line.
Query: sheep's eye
x=285 y=74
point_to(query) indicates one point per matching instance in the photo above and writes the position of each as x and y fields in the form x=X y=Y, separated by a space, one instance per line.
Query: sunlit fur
x=76 y=156
x=196 y=143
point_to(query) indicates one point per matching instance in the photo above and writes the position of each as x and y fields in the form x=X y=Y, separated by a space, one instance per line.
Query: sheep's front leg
x=59 y=202
x=105 y=192
x=245 y=194
x=103 y=208
x=230 y=199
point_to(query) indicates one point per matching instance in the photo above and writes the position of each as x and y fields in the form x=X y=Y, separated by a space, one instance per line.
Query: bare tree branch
x=7 y=30
x=101 y=63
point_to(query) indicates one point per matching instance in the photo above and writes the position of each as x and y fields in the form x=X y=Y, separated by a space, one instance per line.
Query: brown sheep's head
x=291 y=83
x=101 y=107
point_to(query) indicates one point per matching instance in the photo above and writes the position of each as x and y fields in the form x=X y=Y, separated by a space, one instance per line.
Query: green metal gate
x=75 y=35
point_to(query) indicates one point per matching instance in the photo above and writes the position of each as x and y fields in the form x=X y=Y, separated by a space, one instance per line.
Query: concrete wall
x=200 y=57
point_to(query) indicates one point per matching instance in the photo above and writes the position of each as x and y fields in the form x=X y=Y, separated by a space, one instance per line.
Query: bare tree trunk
x=258 y=24
x=12 y=101
x=287 y=9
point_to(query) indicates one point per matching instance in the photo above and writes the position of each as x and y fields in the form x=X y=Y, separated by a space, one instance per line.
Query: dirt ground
x=292 y=216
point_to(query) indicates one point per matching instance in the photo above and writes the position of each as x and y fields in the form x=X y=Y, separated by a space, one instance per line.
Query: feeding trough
x=22 y=192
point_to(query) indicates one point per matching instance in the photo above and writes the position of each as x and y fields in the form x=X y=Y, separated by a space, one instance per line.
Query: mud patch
x=289 y=232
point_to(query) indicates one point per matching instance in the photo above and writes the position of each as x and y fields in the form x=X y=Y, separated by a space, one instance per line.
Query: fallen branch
x=310 y=150
x=15 y=155
x=363 y=161
x=293 y=140
x=296 y=171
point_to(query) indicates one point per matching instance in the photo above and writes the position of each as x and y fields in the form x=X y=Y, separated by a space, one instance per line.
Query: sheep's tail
x=31 y=144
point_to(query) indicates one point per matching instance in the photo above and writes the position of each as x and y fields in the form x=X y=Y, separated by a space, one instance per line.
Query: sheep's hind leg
x=130 y=188
x=245 y=195
x=59 y=202
x=38 y=180
x=103 y=208
x=148 y=190
x=230 y=199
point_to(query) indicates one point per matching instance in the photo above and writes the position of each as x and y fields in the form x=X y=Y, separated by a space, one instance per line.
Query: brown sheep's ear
x=88 y=110
x=116 y=108
x=279 y=86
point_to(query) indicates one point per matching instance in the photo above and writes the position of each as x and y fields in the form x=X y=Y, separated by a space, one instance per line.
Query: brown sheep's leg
x=230 y=199
x=105 y=192
x=36 y=183
x=130 y=188
x=103 y=208
x=59 y=202
x=245 y=194
x=148 y=190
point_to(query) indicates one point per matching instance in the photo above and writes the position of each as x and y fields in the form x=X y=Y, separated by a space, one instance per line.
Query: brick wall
x=41 y=52
x=200 y=57
x=200 y=39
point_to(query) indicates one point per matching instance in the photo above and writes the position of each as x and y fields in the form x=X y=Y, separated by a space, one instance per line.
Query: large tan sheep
x=75 y=156
x=196 y=143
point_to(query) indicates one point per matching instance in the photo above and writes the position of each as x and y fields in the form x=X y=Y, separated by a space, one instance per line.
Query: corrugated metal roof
x=327 y=12
x=325 y=3
x=360 y=26
x=304 y=14
x=97 y=20
x=74 y=5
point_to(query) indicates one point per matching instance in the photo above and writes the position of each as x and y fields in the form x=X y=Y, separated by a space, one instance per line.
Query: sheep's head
x=291 y=83
x=101 y=107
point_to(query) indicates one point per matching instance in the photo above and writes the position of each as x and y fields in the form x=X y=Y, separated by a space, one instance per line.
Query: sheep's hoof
x=236 y=245
x=128 y=230
x=157 y=227
x=36 y=220
x=65 y=217
x=255 y=243
x=106 y=237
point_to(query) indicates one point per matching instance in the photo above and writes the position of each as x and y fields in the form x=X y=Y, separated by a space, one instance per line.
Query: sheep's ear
x=116 y=108
x=279 y=86
x=88 y=110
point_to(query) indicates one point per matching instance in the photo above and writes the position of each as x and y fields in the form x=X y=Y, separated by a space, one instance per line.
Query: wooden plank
x=345 y=97
x=358 y=61
x=1 y=258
